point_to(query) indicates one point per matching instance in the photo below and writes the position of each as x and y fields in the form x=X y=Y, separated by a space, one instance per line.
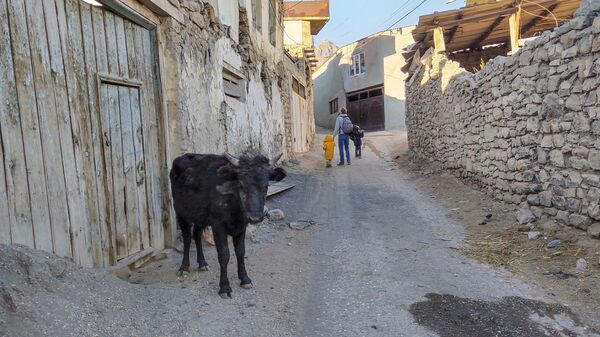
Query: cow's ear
x=227 y=172
x=277 y=174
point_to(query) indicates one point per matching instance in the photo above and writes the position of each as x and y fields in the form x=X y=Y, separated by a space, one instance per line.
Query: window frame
x=358 y=65
x=334 y=106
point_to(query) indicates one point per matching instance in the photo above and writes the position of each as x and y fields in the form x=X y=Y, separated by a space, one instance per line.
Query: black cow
x=223 y=192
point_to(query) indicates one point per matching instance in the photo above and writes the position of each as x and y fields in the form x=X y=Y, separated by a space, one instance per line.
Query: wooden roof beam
x=479 y=40
x=536 y=20
x=455 y=29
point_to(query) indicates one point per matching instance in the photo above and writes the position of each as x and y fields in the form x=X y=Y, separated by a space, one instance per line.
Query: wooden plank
x=131 y=208
x=536 y=19
x=81 y=126
x=108 y=238
x=134 y=53
x=66 y=155
x=140 y=171
x=50 y=133
x=438 y=40
x=151 y=145
x=515 y=27
x=16 y=222
x=120 y=225
x=98 y=229
x=40 y=215
x=278 y=187
x=121 y=47
x=4 y=217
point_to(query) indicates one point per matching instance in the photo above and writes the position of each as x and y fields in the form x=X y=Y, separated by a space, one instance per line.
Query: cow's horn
x=233 y=160
x=276 y=159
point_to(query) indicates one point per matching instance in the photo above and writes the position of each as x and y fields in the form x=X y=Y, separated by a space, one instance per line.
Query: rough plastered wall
x=202 y=118
x=525 y=129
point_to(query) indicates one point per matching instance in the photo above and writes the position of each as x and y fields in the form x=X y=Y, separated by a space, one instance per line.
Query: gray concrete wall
x=525 y=128
x=383 y=60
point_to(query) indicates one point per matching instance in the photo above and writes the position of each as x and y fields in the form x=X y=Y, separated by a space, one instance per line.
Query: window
x=375 y=93
x=233 y=84
x=358 y=66
x=353 y=98
x=257 y=14
x=333 y=106
x=273 y=22
x=298 y=88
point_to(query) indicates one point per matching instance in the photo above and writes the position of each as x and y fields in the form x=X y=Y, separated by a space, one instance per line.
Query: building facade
x=366 y=78
x=99 y=96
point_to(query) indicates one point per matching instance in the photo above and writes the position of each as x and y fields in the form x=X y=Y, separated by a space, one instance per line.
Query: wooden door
x=373 y=114
x=80 y=174
x=124 y=149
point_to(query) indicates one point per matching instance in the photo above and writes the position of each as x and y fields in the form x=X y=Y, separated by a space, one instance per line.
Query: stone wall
x=201 y=117
x=525 y=129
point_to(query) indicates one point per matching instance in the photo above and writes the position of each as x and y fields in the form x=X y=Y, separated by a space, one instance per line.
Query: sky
x=352 y=20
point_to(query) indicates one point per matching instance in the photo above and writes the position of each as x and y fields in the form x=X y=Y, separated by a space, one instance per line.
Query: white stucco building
x=366 y=78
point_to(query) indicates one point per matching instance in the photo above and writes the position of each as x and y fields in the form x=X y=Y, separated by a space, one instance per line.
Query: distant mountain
x=324 y=51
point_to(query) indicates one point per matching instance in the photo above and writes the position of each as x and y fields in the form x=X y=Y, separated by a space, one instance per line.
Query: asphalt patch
x=451 y=316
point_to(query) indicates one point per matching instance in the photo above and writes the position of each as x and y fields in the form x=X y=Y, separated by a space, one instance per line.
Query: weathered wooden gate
x=300 y=119
x=79 y=122
x=366 y=108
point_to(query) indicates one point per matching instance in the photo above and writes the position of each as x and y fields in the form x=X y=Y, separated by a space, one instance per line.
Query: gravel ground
x=382 y=259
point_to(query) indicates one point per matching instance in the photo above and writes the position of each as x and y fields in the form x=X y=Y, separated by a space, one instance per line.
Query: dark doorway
x=365 y=108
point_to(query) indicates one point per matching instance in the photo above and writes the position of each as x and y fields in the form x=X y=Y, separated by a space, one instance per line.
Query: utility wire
x=407 y=14
x=396 y=12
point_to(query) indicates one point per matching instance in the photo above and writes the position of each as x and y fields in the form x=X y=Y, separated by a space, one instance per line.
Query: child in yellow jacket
x=328 y=146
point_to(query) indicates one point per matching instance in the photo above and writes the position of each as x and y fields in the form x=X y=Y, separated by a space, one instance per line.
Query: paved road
x=386 y=250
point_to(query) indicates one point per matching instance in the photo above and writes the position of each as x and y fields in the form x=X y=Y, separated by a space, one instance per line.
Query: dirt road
x=382 y=259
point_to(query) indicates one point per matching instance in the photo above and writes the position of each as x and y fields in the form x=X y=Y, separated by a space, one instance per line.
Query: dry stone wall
x=525 y=129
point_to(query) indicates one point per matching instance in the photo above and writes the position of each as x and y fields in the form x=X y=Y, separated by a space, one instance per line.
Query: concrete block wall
x=525 y=129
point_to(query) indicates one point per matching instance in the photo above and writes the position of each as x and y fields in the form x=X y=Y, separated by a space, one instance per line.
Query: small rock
x=581 y=264
x=525 y=228
x=300 y=225
x=553 y=244
x=250 y=230
x=533 y=235
x=275 y=215
x=594 y=230
x=289 y=243
x=525 y=215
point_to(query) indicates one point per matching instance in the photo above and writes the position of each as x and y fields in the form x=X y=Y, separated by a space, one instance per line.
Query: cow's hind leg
x=223 y=254
x=202 y=265
x=239 y=242
x=186 y=233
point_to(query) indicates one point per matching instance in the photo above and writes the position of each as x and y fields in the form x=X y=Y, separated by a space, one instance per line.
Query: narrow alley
x=387 y=263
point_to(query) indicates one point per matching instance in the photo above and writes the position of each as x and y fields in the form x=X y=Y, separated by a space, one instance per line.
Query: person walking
x=343 y=128
x=328 y=146
x=357 y=136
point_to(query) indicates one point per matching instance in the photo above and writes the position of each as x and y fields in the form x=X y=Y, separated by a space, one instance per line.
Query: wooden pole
x=439 y=45
x=515 y=27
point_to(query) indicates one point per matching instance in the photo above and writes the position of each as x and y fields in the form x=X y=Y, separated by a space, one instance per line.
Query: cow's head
x=251 y=173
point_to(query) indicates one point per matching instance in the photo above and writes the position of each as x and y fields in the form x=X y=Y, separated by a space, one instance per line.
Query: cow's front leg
x=186 y=233
x=223 y=254
x=239 y=243
x=202 y=265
